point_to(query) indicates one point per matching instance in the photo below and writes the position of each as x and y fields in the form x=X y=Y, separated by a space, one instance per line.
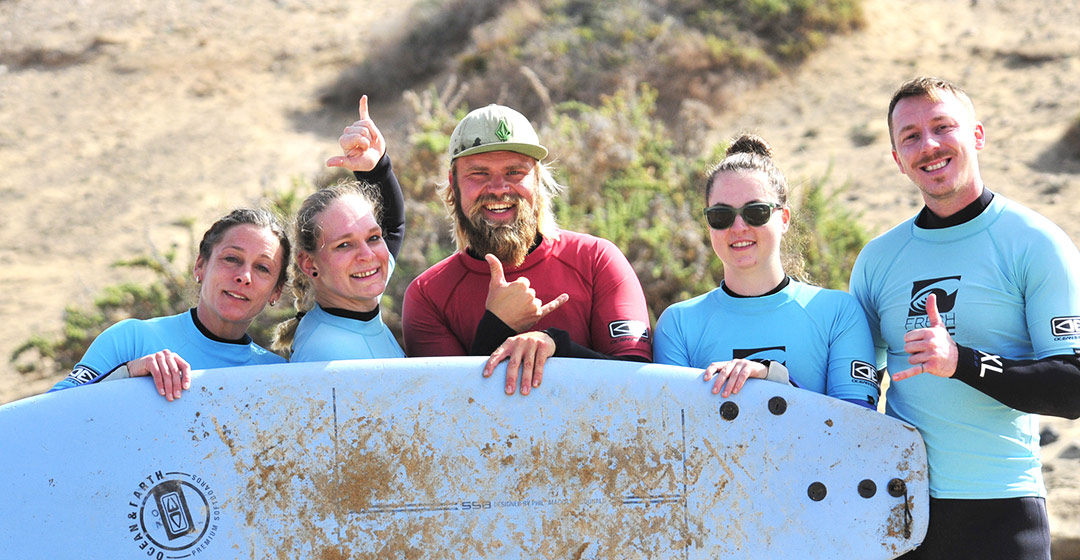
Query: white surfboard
x=424 y=458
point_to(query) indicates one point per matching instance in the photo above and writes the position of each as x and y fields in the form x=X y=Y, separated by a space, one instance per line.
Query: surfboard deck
x=424 y=458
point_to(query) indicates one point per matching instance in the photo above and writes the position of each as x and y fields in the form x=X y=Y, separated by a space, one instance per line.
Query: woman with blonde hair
x=345 y=256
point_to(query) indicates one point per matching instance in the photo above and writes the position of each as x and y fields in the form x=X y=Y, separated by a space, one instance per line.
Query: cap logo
x=502 y=132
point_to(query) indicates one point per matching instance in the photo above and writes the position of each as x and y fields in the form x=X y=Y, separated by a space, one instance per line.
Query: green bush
x=824 y=234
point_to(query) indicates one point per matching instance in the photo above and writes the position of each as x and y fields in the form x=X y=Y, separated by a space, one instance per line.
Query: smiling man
x=974 y=305
x=519 y=288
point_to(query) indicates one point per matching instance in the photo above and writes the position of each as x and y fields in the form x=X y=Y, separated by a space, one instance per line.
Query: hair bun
x=749 y=144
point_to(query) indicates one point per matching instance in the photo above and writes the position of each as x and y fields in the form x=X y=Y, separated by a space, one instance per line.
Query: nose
x=930 y=142
x=739 y=224
x=364 y=252
x=243 y=276
x=498 y=184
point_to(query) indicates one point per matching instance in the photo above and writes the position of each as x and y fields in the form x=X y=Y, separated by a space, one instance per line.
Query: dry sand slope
x=118 y=117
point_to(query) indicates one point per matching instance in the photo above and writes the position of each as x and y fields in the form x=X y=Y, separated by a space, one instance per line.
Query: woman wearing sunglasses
x=760 y=322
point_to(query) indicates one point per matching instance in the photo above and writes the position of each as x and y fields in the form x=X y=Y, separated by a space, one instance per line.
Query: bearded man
x=519 y=288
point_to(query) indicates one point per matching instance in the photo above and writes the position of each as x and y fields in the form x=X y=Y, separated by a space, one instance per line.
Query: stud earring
x=314 y=273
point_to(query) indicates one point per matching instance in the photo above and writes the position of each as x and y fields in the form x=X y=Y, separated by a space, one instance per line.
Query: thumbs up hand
x=932 y=350
x=515 y=303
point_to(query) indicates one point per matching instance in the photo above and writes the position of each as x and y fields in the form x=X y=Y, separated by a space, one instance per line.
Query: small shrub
x=440 y=31
x=862 y=135
x=1070 y=141
x=825 y=234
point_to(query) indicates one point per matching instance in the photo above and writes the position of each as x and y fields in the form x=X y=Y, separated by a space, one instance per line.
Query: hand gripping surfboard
x=424 y=458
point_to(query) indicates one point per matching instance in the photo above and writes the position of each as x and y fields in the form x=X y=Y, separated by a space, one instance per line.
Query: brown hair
x=749 y=152
x=258 y=217
x=928 y=87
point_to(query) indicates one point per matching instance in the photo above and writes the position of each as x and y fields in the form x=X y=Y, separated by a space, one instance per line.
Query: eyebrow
x=270 y=256
x=352 y=233
x=933 y=120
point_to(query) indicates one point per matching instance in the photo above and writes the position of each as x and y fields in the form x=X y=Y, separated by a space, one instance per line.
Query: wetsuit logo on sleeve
x=82 y=375
x=865 y=373
x=945 y=289
x=628 y=328
x=1063 y=328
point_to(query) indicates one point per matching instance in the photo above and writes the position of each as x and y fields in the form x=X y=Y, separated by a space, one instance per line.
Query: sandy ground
x=117 y=118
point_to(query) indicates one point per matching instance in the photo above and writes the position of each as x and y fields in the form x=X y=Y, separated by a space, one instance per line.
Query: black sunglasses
x=754 y=214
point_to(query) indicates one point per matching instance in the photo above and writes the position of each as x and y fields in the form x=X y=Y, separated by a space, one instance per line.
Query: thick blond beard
x=510 y=242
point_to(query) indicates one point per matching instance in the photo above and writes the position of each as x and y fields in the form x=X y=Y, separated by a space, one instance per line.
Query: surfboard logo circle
x=173 y=512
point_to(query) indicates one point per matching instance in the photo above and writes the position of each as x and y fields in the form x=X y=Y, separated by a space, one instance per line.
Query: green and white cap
x=495 y=128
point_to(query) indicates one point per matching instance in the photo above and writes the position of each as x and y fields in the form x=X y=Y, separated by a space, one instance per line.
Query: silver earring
x=273 y=303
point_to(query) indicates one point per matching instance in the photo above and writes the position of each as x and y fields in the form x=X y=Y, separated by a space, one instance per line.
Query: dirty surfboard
x=423 y=458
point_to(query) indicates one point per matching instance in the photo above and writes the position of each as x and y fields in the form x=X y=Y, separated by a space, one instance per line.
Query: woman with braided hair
x=345 y=255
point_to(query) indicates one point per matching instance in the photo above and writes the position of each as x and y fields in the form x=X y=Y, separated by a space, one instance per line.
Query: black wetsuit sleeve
x=567 y=348
x=1050 y=386
x=492 y=332
x=393 y=202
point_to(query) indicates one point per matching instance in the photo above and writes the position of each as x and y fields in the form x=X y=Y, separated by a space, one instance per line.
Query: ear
x=785 y=218
x=276 y=294
x=896 y=158
x=980 y=136
x=452 y=192
x=200 y=267
x=306 y=263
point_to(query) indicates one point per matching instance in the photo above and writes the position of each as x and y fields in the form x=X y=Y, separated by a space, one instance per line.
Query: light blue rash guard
x=1007 y=282
x=321 y=337
x=820 y=335
x=131 y=339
